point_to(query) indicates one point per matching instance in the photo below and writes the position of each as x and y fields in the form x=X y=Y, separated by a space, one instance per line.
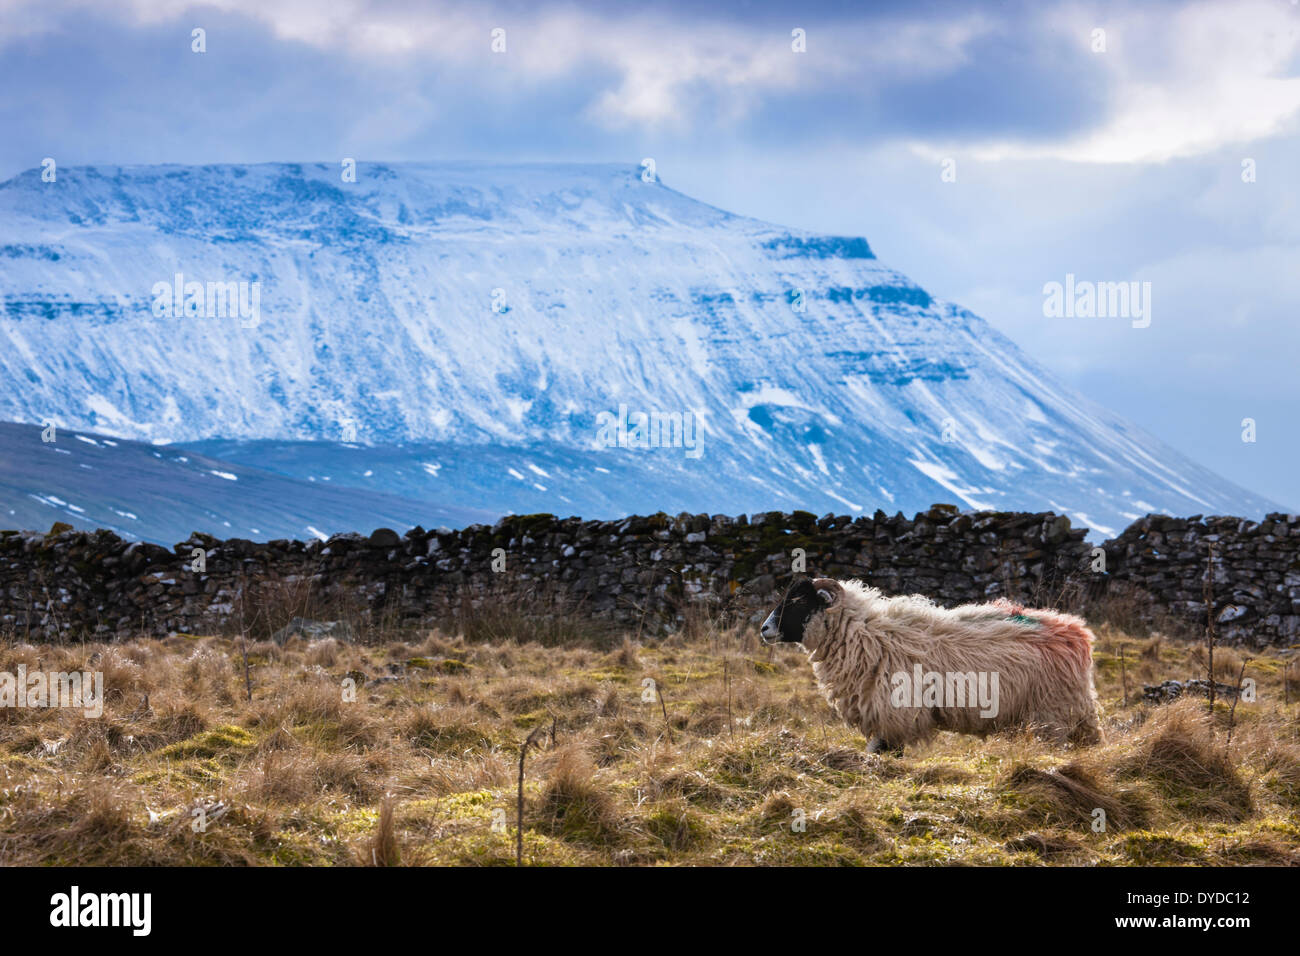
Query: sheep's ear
x=829 y=590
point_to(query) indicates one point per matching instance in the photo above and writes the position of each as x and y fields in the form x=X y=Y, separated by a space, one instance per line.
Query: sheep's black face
x=806 y=597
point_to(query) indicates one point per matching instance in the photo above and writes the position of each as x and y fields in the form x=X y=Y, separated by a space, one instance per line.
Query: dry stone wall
x=1255 y=594
x=647 y=573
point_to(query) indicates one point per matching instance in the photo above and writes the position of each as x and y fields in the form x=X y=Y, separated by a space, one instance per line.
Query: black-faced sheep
x=900 y=669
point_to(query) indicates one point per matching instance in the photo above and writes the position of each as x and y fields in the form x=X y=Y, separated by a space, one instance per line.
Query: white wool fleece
x=1042 y=661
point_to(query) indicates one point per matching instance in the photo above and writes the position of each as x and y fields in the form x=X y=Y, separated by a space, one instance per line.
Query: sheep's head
x=806 y=598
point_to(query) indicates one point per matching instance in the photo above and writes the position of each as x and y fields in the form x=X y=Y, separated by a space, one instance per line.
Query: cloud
x=672 y=68
x=664 y=63
x=991 y=82
x=1182 y=81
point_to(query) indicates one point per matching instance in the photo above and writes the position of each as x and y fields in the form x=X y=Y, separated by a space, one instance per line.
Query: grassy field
x=742 y=762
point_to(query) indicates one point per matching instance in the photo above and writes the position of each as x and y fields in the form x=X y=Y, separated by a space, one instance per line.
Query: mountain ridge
x=498 y=310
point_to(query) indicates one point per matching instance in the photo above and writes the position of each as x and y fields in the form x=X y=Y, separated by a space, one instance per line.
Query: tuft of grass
x=383 y=849
x=1177 y=751
x=678 y=826
x=1074 y=793
x=573 y=804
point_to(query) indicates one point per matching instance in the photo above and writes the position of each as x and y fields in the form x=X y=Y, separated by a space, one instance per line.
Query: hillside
x=475 y=324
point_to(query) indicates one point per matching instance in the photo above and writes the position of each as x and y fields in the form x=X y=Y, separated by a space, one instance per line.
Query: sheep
x=900 y=669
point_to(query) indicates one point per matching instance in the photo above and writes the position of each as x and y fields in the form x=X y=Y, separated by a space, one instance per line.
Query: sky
x=983 y=149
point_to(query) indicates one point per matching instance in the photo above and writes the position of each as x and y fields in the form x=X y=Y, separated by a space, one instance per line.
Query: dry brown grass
x=419 y=764
x=383 y=845
x=1178 y=751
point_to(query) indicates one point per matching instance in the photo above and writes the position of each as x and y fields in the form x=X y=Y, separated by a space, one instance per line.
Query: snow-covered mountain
x=473 y=323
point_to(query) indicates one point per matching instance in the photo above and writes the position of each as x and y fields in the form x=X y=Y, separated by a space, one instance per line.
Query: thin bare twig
x=1209 y=618
x=1123 y=673
x=1232 y=714
x=726 y=676
x=664 y=707
x=248 y=676
x=530 y=741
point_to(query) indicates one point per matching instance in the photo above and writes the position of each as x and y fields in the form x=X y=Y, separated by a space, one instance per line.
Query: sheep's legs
x=878 y=746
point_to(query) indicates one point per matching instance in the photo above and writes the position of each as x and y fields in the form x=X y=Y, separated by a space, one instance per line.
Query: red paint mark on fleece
x=1062 y=634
